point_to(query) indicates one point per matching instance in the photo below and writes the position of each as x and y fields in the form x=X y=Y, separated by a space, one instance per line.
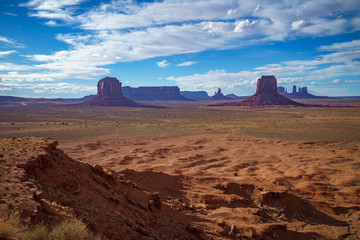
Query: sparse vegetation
x=305 y=123
x=69 y=230
x=11 y=229
x=37 y=232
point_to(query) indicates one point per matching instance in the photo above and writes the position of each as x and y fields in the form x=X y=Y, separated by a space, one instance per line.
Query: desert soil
x=273 y=173
x=253 y=184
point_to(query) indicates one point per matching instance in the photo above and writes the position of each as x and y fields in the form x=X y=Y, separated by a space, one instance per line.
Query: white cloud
x=53 y=9
x=64 y=88
x=5 y=89
x=185 y=64
x=322 y=68
x=243 y=25
x=163 y=63
x=5 y=66
x=6 y=40
x=51 y=23
x=212 y=80
x=11 y=14
x=4 y=53
x=335 y=81
x=353 y=45
x=125 y=31
x=296 y=25
x=352 y=81
x=46 y=87
x=50 y=5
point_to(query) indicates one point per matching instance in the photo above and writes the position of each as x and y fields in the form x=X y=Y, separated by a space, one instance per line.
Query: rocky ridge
x=46 y=185
x=154 y=93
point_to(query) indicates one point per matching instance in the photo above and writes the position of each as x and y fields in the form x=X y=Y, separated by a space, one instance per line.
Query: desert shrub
x=37 y=232
x=72 y=230
x=10 y=228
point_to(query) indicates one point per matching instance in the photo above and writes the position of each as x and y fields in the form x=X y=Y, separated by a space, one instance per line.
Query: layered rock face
x=154 y=93
x=109 y=93
x=266 y=94
x=109 y=87
x=266 y=84
x=194 y=94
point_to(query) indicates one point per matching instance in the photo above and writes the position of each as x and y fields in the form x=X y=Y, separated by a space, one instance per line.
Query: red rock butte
x=266 y=84
x=109 y=93
x=266 y=95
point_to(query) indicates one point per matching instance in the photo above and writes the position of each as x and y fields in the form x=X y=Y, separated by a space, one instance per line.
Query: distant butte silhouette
x=109 y=93
x=219 y=96
x=266 y=95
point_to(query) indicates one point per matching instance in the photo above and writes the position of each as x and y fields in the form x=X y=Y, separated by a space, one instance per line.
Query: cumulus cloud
x=243 y=25
x=185 y=64
x=163 y=63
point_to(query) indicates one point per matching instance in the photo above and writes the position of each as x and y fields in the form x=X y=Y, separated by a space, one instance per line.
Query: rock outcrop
x=195 y=94
x=266 y=85
x=219 y=96
x=266 y=95
x=302 y=93
x=109 y=93
x=48 y=186
x=154 y=93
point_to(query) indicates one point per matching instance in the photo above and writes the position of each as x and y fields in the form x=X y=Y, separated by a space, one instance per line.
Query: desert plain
x=225 y=172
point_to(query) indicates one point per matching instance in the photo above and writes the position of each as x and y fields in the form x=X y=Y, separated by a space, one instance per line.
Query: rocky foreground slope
x=43 y=184
x=290 y=196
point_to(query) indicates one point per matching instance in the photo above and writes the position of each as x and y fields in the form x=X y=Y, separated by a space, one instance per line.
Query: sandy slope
x=242 y=185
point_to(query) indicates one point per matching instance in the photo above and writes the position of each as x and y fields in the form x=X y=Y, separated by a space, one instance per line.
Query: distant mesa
x=109 y=93
x=266 y=95
x=171 y=93
x=302 y=93
x=195 y=94
x=219 y=96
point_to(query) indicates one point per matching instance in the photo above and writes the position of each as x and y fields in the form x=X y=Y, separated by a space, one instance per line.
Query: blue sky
x=61 y=48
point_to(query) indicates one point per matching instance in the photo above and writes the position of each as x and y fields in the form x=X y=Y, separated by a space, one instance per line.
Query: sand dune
x=242 y=185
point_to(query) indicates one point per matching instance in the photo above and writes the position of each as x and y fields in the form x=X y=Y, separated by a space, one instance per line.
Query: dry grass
x=37 y=232
x=70 y=230
x=11 y=229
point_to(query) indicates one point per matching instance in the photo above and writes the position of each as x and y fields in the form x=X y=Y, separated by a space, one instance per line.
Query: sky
x=61 y=48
